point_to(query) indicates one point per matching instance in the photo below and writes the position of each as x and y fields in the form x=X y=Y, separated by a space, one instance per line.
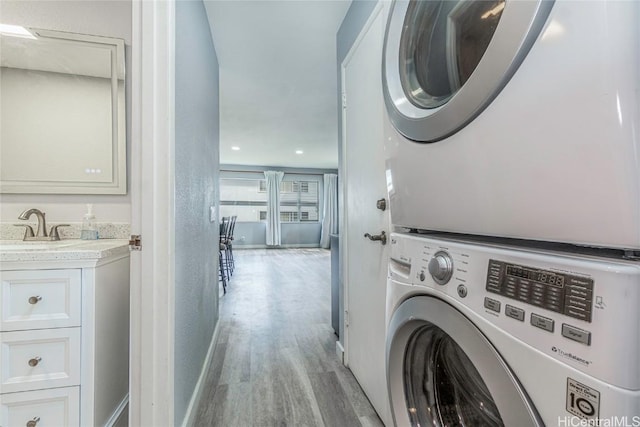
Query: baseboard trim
x=340 y=351
x=189 y=417
x=118 y=412
x=288 y=246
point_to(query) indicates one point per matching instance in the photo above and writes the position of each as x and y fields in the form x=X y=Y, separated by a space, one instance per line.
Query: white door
x=365 y=261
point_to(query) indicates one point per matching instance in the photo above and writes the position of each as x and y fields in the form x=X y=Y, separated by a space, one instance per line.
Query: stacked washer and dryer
x=512 y=137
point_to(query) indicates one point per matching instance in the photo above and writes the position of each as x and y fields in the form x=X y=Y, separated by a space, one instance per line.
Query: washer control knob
x=441 y=267
x=462 y=291
x=422 y=276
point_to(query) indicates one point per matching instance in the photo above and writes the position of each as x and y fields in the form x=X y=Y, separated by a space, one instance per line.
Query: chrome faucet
x=41 y=234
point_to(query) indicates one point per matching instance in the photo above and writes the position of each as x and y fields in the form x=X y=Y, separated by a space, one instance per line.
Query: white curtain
x=274 y=178
x=330 y=216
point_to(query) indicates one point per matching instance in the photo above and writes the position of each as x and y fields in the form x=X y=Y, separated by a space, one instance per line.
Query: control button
x=492 y=304
x=578 y=313
x=542 y=322
x=441 y=267
x=578 y=281
x=578 y=303
x=462 y=291
x=580 y=292
x=514 y=312
x=422 y=276
x=576 y=334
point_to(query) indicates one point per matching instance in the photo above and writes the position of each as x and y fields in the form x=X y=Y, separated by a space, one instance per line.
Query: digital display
x=540 y=276
x=564 y=293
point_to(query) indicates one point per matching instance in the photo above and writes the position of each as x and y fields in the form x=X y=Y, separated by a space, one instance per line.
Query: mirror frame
x=118 y=184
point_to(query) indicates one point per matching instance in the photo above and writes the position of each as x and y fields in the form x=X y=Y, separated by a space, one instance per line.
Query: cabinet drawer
x=38 y=299
x=39 y=359
x=56 y=407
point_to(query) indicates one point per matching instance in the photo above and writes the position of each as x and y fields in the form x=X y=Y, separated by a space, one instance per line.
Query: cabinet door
x=38 y=299
x=55 y=407
x=39 y=359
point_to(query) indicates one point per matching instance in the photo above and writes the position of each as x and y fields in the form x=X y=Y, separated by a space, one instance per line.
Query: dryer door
x=445 y=60
x=442 y=371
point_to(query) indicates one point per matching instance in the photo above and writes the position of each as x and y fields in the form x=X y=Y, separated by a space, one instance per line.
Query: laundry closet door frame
x=151 y=387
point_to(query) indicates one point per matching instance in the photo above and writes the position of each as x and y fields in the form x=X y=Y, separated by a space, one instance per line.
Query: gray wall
x=254 y=234
x=353 y=22
x=101 y=18
x=196 y=184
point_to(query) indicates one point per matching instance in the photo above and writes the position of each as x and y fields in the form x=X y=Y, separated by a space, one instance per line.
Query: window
x=300 y=198
x=247 y=198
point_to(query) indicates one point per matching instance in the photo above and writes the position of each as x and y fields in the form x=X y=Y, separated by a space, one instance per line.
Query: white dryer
x=491 y=335
x=515 y=118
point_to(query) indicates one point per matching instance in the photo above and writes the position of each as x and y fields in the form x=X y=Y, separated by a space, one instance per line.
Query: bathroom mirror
x=62 y=113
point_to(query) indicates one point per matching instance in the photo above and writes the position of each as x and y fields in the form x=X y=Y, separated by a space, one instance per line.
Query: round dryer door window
x=446 y=60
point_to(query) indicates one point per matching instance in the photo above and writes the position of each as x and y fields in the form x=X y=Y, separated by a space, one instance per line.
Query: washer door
x=442 y=371
x=446 y=60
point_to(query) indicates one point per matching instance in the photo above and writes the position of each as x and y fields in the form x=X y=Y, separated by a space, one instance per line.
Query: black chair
x=229 y=243
x=223 y=253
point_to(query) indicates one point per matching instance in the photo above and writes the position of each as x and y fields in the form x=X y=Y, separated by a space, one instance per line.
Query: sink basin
x=19 y=245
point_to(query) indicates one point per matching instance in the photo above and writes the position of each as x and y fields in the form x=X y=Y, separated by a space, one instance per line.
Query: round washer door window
x=442 y=387
x=446 y=60
x=442 y=371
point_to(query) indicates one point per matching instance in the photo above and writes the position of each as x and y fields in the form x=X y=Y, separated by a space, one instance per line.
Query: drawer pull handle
x=34 y=362
x=34 y=300
x=33 y=422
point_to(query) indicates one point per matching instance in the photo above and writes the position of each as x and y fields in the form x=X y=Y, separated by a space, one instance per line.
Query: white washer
x=507 y=336
x=515 y=118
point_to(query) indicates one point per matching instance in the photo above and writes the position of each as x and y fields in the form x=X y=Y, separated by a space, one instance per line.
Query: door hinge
x=344 y=100
x=135 y=242
x=346 y=318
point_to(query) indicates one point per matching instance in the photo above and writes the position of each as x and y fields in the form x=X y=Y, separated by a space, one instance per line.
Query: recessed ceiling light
x=235 y=148
x=299 y=152
x=15 y=31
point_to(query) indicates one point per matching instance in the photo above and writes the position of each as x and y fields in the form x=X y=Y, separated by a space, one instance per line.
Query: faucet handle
x=28 y=230
x=53 y=234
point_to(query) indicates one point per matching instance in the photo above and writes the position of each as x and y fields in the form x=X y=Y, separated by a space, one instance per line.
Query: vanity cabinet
x=64 y=338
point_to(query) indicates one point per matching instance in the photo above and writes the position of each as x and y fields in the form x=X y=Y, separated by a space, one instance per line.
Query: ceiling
x=278 y=80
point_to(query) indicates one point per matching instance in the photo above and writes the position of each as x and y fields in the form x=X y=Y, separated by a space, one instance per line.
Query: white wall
x=196 y=187
x=103 y=18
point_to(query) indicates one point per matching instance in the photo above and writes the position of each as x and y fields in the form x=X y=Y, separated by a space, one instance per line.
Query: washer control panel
x=573 y=308
x=563 y=293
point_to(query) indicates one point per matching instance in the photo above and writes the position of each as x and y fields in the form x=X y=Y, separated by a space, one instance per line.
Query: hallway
x=275 y=362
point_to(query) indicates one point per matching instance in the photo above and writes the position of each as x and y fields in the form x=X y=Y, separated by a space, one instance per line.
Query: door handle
x=382 y=237
x=381 y=204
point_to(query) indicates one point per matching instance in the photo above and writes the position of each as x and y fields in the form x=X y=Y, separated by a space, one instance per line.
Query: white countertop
x=69 y=249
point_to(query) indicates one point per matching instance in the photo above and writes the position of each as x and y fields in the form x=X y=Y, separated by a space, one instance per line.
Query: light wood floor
x=275 y=362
